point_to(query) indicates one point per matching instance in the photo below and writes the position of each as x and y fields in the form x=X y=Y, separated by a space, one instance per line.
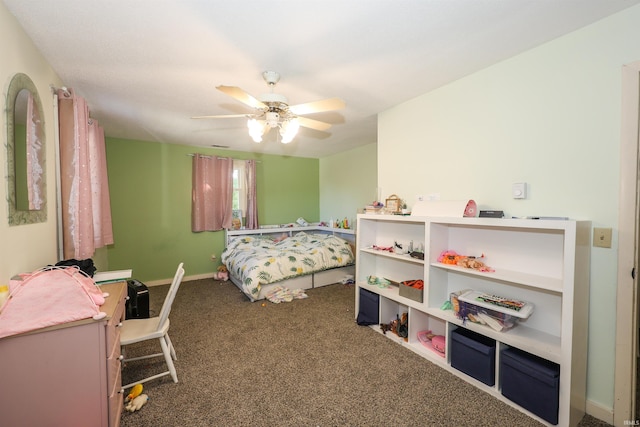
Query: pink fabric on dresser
x=50 y=297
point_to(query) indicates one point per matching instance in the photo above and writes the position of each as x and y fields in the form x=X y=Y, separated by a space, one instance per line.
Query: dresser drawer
x=113 y=327
x=116 y=401
x=113 y=338
x=114 y=366
x=118 y=314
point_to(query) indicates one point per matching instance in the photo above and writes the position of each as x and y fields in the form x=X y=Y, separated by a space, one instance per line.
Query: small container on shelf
x=474 y=354
x=497 y=312
x=531 y=382
x=369 y=308
x=412 y=289
x=453 y=298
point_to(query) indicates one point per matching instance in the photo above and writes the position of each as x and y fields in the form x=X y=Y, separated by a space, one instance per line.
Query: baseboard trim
x=184 y=279
x=600 y=412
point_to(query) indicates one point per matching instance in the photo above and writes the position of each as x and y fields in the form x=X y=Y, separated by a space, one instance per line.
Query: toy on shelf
x=399 y=326
x=450 y=257
x=432 y=342
x=380 y=282
x=375 y=207
x=382 y=248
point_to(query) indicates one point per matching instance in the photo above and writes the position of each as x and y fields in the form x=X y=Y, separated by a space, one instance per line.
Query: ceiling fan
x=272 y=110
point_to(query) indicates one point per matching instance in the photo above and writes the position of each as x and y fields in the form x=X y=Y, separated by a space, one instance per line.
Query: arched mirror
x=26 y=178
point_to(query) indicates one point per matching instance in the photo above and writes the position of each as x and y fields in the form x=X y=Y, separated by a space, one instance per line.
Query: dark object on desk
x=549 y=217
x=85 y=265
x=491 y=214
x=137 y=306
x=419 y=255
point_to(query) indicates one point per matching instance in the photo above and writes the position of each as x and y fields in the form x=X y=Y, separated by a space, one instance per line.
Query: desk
x=65 y=375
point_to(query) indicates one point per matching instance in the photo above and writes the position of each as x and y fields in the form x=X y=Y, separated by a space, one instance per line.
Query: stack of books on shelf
x=374 y=208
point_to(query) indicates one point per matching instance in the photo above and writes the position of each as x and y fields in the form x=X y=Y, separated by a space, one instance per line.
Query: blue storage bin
x=368 y=308
x=474 y=354
x=531 y=382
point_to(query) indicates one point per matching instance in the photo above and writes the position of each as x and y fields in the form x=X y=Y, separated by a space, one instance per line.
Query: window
x=223 y=193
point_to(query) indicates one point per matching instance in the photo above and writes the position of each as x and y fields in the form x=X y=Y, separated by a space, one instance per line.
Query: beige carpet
x=304 y=363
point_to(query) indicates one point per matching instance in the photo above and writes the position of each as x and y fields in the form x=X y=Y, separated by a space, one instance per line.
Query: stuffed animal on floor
x=221 y=274
x=137 y=403
x=135 y=391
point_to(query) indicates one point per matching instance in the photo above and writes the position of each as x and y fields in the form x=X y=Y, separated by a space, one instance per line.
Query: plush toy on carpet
x=135 y=399
x=135 y=391
x=222 y=274
x=137 y=403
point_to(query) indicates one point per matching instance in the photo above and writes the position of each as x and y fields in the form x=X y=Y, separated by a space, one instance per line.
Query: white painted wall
x=549 y=117
x=26 y=247
x=348 y=182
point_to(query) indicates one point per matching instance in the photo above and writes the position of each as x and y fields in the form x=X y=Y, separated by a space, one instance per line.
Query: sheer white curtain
x=212 y=193
x=86 y=211
x=252 y=196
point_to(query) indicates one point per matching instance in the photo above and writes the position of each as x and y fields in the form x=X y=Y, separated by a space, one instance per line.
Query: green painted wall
x=150 y=188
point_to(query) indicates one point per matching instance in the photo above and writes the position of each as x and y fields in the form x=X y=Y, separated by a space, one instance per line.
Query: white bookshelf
x=544 y=262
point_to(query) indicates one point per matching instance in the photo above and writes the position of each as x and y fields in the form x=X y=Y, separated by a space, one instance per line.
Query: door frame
x=628 y=217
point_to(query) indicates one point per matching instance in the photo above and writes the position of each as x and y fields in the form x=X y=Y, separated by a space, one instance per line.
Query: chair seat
x=137 y=330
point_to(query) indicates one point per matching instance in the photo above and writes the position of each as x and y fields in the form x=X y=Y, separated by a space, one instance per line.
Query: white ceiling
x=147 y=66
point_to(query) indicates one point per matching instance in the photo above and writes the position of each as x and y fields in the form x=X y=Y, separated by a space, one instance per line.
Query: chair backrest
x=168 y=301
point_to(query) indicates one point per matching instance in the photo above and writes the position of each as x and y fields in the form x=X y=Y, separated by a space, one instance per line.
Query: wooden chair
x=138 y=330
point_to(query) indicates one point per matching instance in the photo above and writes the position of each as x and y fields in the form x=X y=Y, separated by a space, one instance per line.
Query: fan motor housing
x=273 y=98
x=272 y=118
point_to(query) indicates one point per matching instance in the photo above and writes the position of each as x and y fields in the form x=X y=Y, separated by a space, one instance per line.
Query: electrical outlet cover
x=602 y=237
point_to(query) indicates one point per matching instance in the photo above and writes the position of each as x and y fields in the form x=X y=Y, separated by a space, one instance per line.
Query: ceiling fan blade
x=224 y=116
x=242 y=96
x=313 y=124
x=317 y=106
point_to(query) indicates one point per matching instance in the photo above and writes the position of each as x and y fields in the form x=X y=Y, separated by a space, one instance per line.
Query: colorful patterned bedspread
x=259 y=260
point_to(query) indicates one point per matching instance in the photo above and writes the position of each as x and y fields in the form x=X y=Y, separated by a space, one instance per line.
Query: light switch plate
x=602 y=237
x=519 y=190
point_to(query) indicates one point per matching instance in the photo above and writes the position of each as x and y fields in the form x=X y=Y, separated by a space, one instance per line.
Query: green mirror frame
x=17 y=216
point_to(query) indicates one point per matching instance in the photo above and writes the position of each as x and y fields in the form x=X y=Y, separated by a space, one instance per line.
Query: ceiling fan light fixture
x=272 y=110
x=256 y=129
x=289 y=129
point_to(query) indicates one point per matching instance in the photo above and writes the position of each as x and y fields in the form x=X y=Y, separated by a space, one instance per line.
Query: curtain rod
x=63 y=89
x=209 y=157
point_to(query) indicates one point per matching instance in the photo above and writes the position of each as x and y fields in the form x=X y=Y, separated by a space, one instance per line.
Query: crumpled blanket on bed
x=259 y=260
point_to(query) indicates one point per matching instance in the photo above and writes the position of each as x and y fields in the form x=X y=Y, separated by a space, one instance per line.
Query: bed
x=296 y=258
